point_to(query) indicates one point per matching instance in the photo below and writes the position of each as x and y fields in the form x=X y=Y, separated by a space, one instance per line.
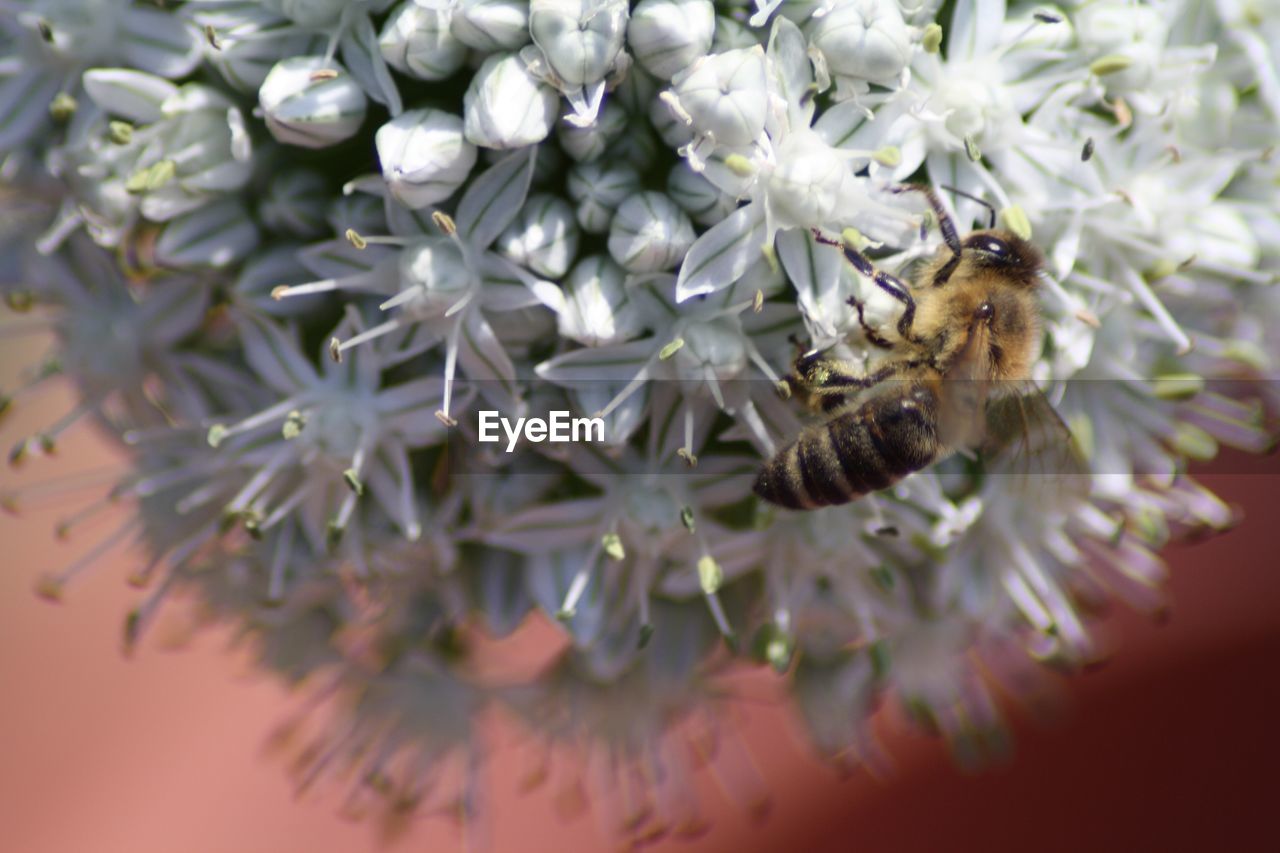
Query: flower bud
x=311 y=103
x=294 y=204
x=366 y=214
x=650 y=233
x=420 y=42
x=506 y=107
x=597 y=310
x=491 y=25
x=543 y=237
x=863 y=39
x=588 y=143
x=731 y=34
x=597 y=189
x=580 y=39
x=666 y=35
x=313 y=13
x=697 y=196
x=726 y=95
x=215 y=235
x=637 y=146
x=423 y=155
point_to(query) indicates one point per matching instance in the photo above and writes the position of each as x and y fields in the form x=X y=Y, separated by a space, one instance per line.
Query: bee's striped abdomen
x=863 y=450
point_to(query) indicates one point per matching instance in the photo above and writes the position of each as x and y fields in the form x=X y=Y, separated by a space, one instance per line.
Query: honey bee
x=955 y=375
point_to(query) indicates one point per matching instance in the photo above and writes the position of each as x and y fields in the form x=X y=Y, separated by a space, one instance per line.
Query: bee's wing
x=963 y=395
x=1018 y=435
x=1028 y=446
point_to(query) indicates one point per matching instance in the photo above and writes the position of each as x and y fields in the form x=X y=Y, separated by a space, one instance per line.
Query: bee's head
x=1004 y=253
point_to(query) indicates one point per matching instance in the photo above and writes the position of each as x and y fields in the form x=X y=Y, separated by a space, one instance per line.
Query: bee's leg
x=873 y=337
x=890 y=285
x=945 y=224
x=827 y=381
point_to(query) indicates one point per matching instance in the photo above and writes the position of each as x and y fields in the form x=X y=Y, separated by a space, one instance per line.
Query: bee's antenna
x=990 y=209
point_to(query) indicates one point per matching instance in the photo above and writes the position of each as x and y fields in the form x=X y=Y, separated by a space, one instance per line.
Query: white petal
x=133 y=95
x=723 y=254
x=494 y=199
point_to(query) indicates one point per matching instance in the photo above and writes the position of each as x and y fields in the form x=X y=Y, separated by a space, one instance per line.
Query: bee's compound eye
x=999 y=248
x=985 y=311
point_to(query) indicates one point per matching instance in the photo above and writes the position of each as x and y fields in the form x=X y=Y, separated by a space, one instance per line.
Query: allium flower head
x=294 y=255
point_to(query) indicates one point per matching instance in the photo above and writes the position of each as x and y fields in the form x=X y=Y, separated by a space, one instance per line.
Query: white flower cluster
x=288 y=249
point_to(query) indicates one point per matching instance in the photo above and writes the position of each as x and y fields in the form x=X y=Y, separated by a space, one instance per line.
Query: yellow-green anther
x=670 y=349
x=931 y=41
x=153 y=177
x=883 y=577
x=46 y=31
x=216 y=434
x=293 y=424
x=1109 y=64
x=253 y=524
x=889 y=155
x=1087 y=152
x=1194 y=443
x=132 y=628
x=1177 y=386
x=879 y=654
x=352 y=479
x=1162 y=268
x=227 y=519
x=757 y=302
x=354 y=238
x=778 y=651
x=770 y=256
x=324 y=74
x=333 y=534
x=710 y=575
x=211 y=36
x=49 y=587
x=19 y=301
x=928 y=547
x=47 y=442
x=688 y=457
x=1081 y=426
x=740 y=165
x=444 y=222
x=335 y=350
x=1015 y=219
x=280 y=291
x=646 y=633
x=120 y=132
x=62 y=107
x=971 y=149
x=854 y=238
x=1247 y=353
x=612 y=544
x=686 y=518
x=1150 y=526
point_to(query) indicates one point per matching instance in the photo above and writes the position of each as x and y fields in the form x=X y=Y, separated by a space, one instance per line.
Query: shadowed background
x=1172 y=744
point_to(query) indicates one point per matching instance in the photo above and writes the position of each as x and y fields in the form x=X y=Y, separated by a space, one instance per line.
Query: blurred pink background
x=1171 y=745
